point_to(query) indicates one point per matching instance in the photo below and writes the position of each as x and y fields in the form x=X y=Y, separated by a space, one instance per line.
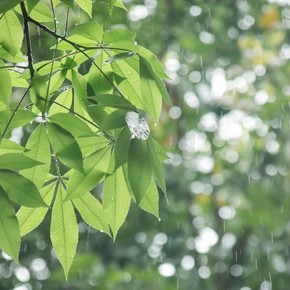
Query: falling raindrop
x=137 y=125
x=64 y=88
x=256 y=263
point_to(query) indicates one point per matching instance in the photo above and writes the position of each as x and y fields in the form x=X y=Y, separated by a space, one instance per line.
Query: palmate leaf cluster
x=74 y=107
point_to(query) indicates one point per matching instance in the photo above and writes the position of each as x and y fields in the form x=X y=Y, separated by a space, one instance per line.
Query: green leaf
x=122 y=147
x=11 y=33
x=64 y=230
x=98 y=114
x=153 y=60
x=16 y=161
x=22 y=117
x=31 y=4
x=111 y=4
x=79 y=83
x=162 y=155
x=57 y=80
x=9 y=228
x=95 y=167
x=20 y=189
x=43 y=68
x=114 y=101
x=85 y=5
x=8 y=5
x=89 y=145
x=153 y=82
x=2 y=107
x=139 y=168
x=150 y=201
x=17 y=81
x=64 y=99
x=116 y=200
x=120 y=56
x=69 y=3
x=114 y=120
x=8 y=146
x=96 y=79
x=120 y=4
x=91 y=30
x=69 y=63
x=156 y=164
x=119 y=36
x=80 y=108
x=31 y=218
x=128 y=81
x=39 y=149
x=41 y=13
x=80 y=40
x=6 y=86
x=4 y=54
x=92 y=212
x=150 y=91
x=38 y=91
x=64 y=146
x=72 y=124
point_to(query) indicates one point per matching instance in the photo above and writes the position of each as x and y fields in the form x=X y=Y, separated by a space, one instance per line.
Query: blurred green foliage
x=226 y=225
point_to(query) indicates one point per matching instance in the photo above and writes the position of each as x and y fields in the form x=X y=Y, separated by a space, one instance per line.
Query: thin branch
x=49 y=80
x=2 y=15
x=57 y=58
x=28 y=105
x=54 y=17
x=13 y=66
x=27 y=36
x=45 y=28
x=79 y=48
x=66 y=22
x=14 y=113
x=57 y=166
x=83 y=118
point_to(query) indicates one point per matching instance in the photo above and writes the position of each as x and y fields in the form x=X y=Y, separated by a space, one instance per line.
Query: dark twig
x=54 y=17
x=13 y=66
x=56 y=58
x=80 y=49
x=66 y=22
x=27 y=36
x=14 y=112
x=49 y=80
x=83 y=118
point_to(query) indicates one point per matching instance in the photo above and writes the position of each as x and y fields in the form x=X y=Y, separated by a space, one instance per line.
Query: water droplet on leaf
x=137 y=125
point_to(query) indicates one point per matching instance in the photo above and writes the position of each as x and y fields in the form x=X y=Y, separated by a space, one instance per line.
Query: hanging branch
x=14 y=112
x=66 y=22
x=49 y=80
x=13 y=66
x=27 y=36
x=81 y=117
x=80 y=49
x=54 y=17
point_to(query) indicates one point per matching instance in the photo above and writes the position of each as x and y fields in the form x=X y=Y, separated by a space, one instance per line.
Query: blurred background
x=227 y=223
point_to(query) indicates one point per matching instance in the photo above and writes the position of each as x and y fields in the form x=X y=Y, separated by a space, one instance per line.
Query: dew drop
x=137 y=125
